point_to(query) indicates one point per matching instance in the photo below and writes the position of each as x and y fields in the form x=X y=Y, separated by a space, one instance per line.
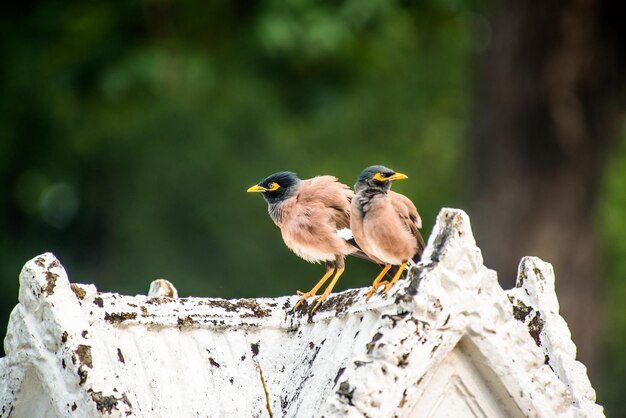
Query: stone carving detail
x=446 y=340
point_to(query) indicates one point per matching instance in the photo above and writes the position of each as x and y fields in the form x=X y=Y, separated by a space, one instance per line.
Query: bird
x=385 y=224
x=313 y=216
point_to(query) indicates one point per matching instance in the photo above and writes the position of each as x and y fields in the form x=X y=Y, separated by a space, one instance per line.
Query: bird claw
x=318 y=301
x=303 y=297
x=375 y=288
x=388 y=287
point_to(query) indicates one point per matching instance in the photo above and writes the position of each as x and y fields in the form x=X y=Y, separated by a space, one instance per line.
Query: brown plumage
x=309 y=214
x=385 y=224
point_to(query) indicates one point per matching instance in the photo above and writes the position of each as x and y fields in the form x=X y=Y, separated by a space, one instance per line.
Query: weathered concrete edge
x=451 y=296
x=45 y=287
x=536 y=305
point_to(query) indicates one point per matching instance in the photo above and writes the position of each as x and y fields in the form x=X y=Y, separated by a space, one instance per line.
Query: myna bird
x=385 y=224
x=313 y=215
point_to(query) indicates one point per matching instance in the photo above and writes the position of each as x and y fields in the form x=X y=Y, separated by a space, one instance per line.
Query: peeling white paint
x=444 y=342
x=160 y=288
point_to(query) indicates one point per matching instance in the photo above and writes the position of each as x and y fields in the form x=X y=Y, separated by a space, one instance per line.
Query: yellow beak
x=397 y=176
x=256 y=189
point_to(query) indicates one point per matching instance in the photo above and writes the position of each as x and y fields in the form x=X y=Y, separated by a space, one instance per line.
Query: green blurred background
x=130 y=131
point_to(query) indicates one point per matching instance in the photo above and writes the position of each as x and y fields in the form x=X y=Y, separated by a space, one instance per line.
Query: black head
x=377 y=177
x=277 y=187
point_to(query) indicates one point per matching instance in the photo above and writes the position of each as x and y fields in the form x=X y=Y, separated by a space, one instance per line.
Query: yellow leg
x=303 y=296
x=377 y=282
x=321 y=298
x=395 y=277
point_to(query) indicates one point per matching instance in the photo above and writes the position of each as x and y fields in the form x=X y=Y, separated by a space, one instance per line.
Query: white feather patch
x=345 y=233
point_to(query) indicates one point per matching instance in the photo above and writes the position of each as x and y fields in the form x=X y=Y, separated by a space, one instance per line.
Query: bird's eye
x=272 y=186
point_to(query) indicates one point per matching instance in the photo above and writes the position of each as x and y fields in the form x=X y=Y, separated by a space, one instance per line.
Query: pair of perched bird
x=322 y=220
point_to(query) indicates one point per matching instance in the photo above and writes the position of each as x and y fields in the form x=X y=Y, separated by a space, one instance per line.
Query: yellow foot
x=388 y=287
x=374 y=288
x=395 y=277
x=321 y=298
x=318 y=300
x=303 y=297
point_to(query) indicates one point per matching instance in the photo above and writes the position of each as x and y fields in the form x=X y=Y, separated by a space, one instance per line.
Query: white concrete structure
x=446 y=342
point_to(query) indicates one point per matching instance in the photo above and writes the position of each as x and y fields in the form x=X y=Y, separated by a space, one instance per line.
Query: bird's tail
x=358 y=253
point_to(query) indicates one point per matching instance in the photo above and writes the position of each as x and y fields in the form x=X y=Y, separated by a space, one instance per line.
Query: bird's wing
x=333 y=195
x=410 y=218
x=406 y=211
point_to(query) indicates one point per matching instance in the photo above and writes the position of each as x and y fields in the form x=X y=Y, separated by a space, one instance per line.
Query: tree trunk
x=546 y=111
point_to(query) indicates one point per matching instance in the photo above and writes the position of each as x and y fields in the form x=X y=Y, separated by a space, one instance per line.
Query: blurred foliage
x=612 y=225
x=129 y=133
